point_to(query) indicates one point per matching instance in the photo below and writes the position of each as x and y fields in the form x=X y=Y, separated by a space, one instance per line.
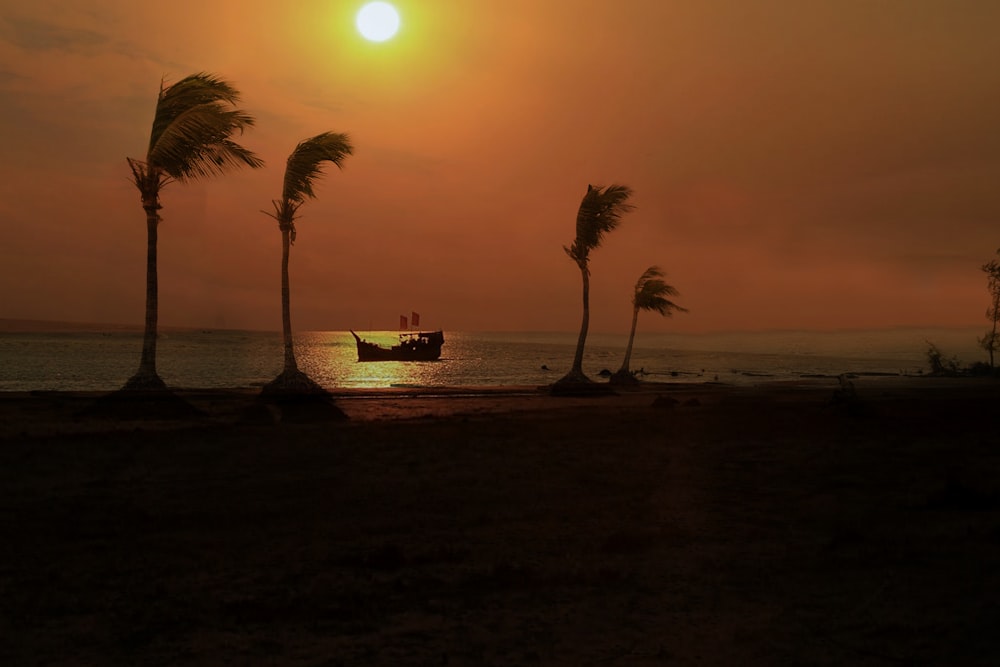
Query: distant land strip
x=49 y=326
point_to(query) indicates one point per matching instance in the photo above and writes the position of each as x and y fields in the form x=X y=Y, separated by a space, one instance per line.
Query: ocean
x=102 y=360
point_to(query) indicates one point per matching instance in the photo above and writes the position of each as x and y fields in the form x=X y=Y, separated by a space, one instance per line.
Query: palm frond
x=193 y=127
x=651 y=293
x=660 y=304
x=647 y=275
x=303 y=167
x=305 y=164
x=600 y=212
x=191 y=91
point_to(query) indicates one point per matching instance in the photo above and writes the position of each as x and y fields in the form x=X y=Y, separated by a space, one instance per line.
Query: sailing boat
x=413 y=345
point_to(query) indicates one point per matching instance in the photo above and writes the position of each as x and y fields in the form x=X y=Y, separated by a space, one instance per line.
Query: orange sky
x=796 y=165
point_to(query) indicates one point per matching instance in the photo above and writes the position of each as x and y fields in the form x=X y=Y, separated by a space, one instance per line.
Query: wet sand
x=679 y=524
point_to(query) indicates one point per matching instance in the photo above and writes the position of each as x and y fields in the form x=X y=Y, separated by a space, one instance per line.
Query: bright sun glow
x=378 y=21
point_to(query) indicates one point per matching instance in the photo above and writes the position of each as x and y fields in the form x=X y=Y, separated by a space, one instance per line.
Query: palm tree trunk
x=146 y=377
x=582 y=340
x=631 y=338
x=286 y=316
x=147 y=364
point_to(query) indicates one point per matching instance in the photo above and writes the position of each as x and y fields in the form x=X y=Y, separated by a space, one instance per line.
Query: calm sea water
x=213 y=359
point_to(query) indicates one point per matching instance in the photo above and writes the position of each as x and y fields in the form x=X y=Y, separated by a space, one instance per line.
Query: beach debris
x=846 y=396
x=845 y=392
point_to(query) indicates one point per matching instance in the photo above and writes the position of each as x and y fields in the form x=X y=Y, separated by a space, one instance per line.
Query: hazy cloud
x=40 y=35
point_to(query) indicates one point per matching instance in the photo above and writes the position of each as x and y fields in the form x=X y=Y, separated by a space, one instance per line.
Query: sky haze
x=819 y=165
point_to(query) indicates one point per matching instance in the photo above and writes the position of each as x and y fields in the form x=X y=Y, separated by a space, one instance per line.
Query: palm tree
x=193 y=124
x=650 y=294
x=991 y=341
x=304 y=166
x=600 y=212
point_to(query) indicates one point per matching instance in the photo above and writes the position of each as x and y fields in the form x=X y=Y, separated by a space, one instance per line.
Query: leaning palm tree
x=193 y=124
x=600 y=212
x=650 y=293
x=304 y=166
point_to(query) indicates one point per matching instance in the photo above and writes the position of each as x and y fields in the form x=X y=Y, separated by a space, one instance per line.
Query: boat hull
x=415 y=346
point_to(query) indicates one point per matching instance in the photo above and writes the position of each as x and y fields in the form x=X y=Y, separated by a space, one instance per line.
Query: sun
x=377 y=21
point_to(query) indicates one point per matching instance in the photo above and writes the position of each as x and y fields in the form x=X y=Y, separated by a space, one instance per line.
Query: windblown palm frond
x=600 y=212
x=191 y=91
x=192 y=128
x=305 y=164
x=651 y=293
x=303 y=167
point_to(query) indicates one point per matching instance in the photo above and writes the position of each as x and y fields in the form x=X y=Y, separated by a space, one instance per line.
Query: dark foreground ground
x=769 y=526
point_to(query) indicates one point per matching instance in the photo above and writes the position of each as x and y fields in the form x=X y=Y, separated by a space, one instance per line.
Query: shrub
x=939 y=365
x=982 y=369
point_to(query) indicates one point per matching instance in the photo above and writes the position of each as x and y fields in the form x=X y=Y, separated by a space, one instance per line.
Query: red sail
x=402 y=322
x=415 y=319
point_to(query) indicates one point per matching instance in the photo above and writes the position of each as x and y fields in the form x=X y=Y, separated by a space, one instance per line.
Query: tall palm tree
x=600 y=212
x=304 y=166
x=650 y=293
x=193 y=124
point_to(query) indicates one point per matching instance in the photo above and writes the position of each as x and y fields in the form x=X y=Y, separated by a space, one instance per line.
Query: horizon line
x=32 y=325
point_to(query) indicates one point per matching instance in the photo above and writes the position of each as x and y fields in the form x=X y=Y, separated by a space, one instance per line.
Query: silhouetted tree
x=304 y=166
x=650 y=293
x=941 y=365
x=600 y=212
x=193 y=124
x=991 y=341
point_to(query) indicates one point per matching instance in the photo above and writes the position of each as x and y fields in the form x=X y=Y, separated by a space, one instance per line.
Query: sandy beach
x=675 y=524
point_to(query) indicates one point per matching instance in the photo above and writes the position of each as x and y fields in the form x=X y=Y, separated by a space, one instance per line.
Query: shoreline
x=53 y=412
x=249 y=360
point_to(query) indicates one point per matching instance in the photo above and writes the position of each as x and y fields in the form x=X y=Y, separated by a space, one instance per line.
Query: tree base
x=144 y=381
x=575 y=383
x=295 y=397
x=292 y=383
x=624 y=378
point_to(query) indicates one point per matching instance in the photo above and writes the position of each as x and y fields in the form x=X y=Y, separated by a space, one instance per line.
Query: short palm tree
x=600 y=212
x=193 y=124
x=650 y=293
x=304 y=166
